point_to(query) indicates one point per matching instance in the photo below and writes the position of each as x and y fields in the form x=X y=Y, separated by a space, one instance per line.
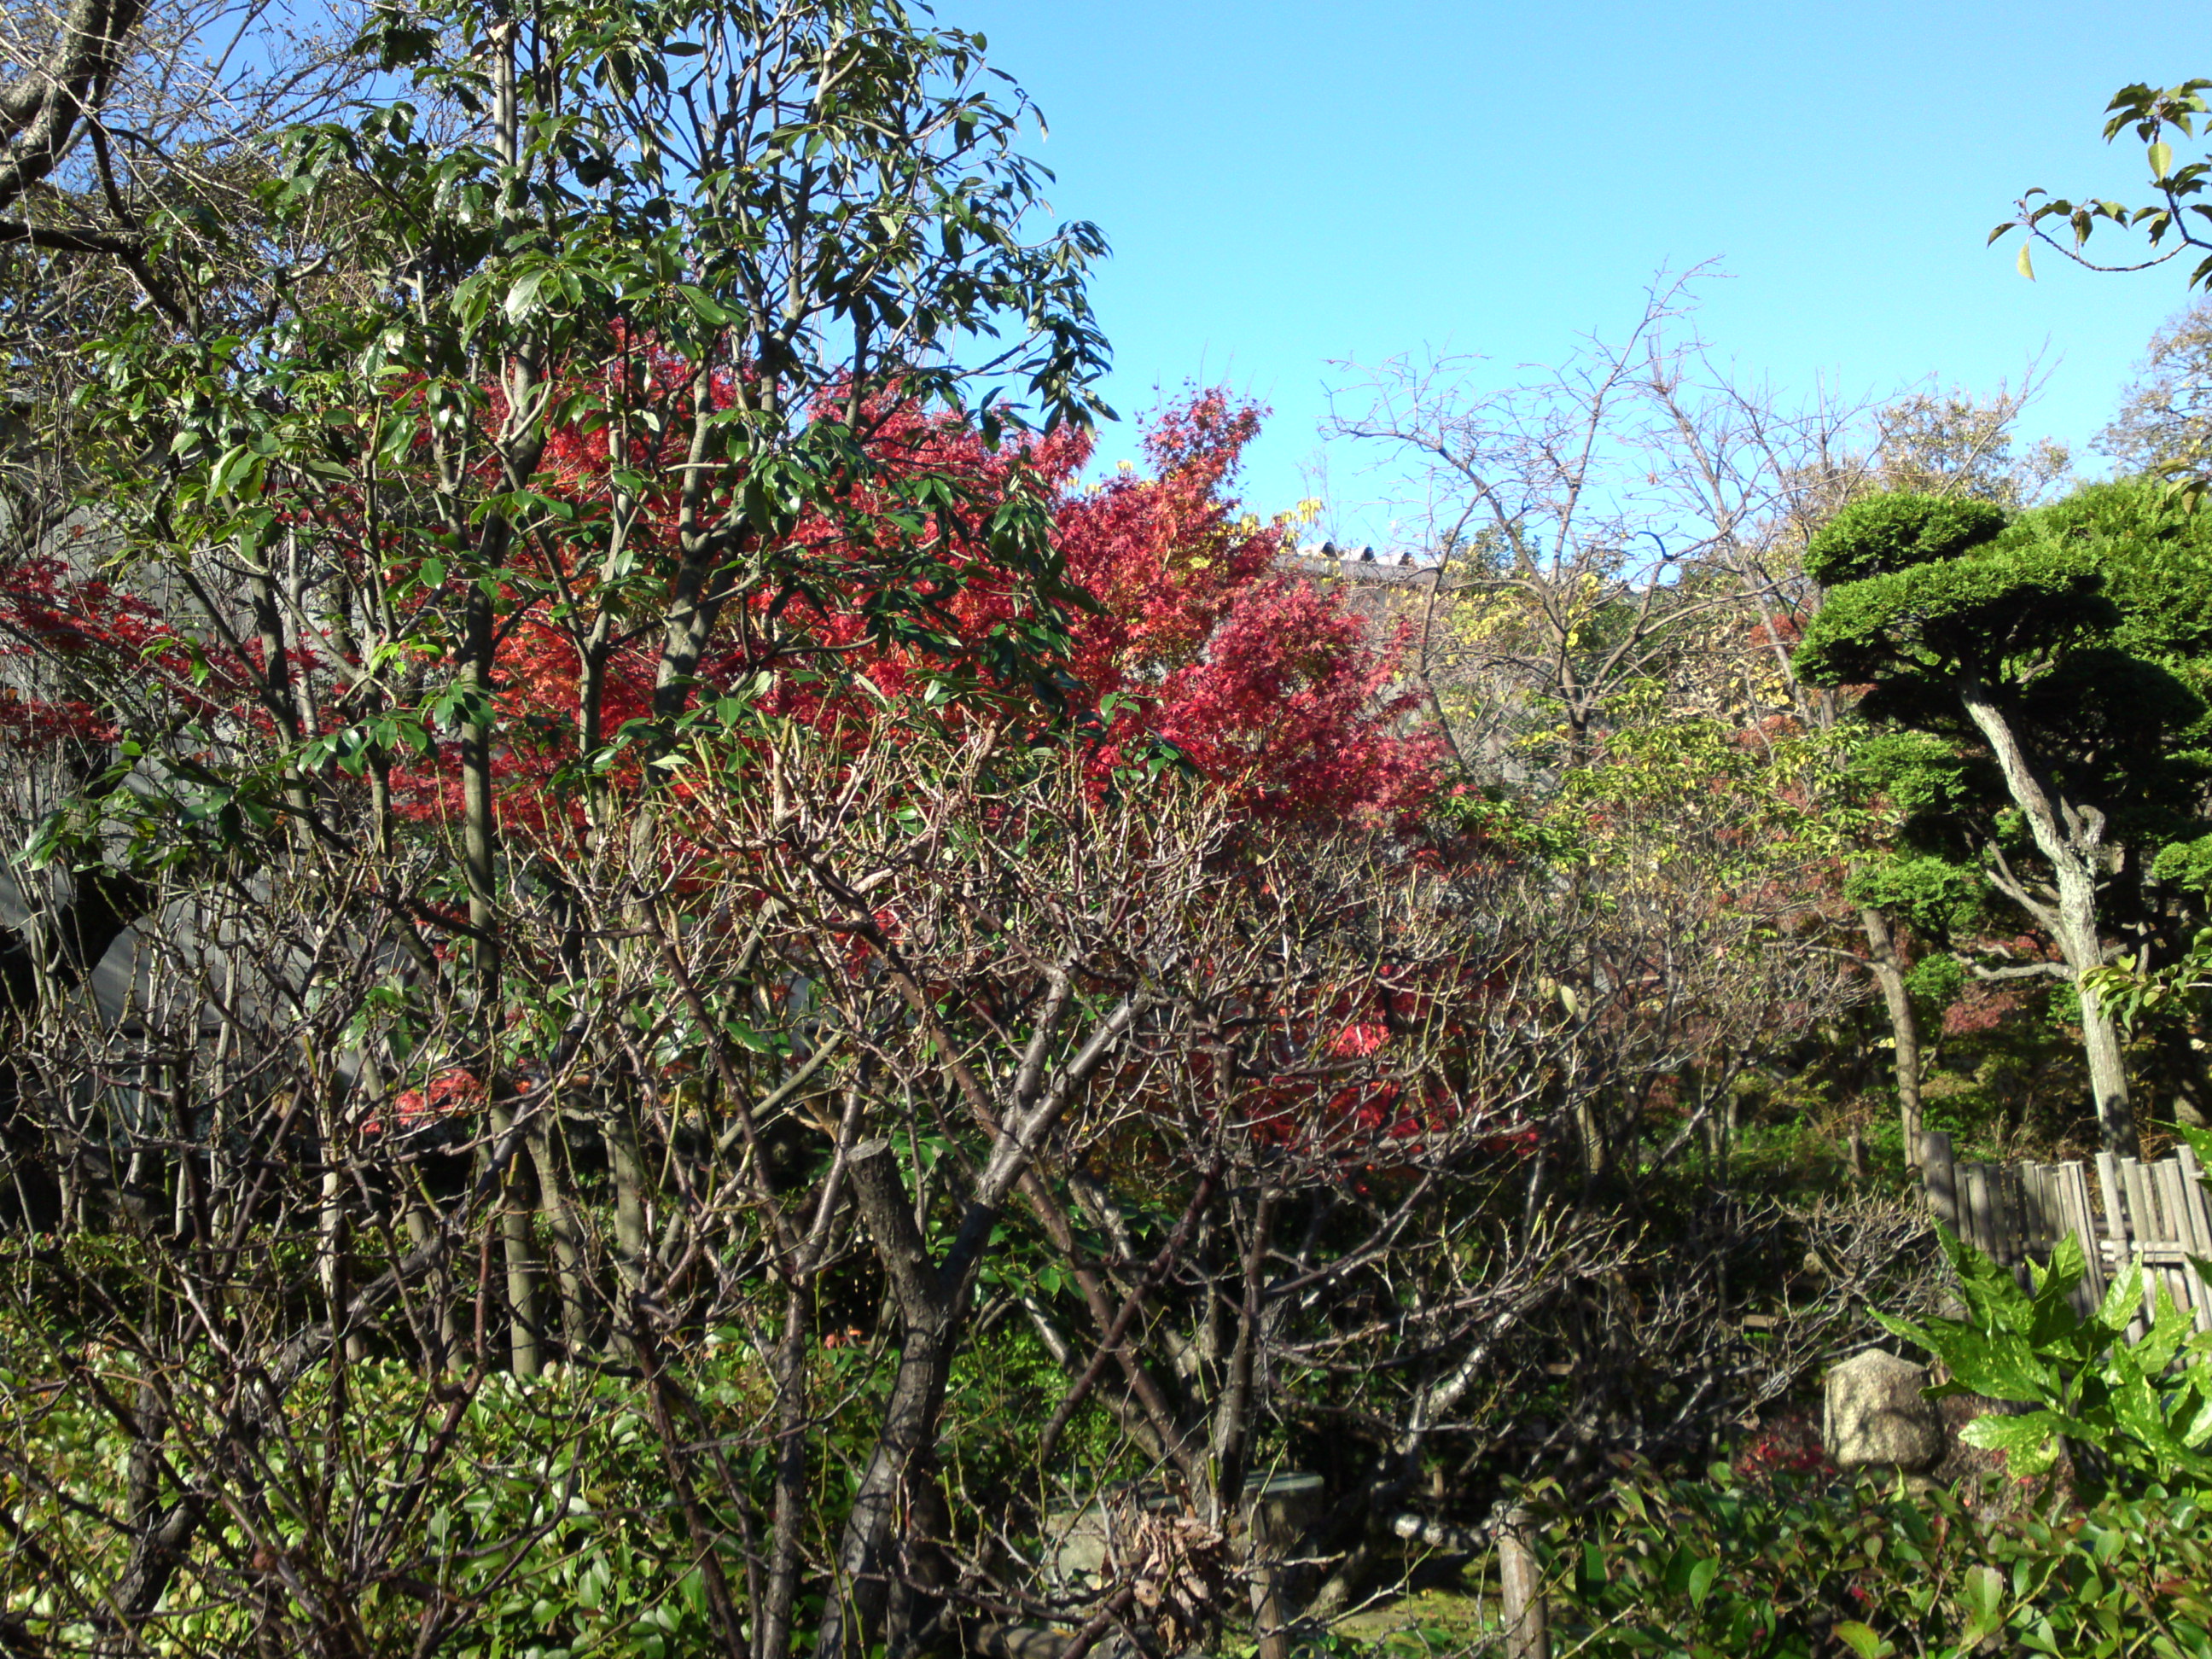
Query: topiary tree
x=2051 y=657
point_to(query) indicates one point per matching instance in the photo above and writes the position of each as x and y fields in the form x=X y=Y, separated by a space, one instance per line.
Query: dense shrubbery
x=2094 y=1542
x=2139 y=1412
x=539 y=1510
x=1727 y=1568
x=662 y=988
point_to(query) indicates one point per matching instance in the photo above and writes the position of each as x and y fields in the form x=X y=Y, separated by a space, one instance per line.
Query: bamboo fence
x=2153 y=1213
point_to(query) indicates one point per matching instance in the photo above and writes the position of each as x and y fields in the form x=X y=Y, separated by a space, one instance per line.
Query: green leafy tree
x=726 y=241
x=2056 y=661
x=2177 y=221
x=746 y=259
x=1950 y=444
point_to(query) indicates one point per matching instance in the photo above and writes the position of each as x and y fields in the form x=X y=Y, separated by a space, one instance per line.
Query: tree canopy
x=2054 y=660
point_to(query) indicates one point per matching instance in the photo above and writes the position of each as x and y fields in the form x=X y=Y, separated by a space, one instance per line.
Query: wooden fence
x=2153 y=1213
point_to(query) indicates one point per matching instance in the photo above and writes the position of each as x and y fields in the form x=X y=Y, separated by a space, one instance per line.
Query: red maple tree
x=1182 y=628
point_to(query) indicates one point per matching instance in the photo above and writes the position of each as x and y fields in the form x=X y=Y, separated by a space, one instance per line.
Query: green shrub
x=2143 y=1408
x=1752 y=1568
x=548 y=1523
x=1720 y=1569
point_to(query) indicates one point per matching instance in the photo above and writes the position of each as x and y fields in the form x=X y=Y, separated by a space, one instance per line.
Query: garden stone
x=1876 y=1417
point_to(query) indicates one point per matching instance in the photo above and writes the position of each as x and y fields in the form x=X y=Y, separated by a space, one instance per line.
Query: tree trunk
x=929 y=1302
x=2100 y=1033
x=773 y=1624
x=1232 y=1419
x=2070 y=836
x=525 y=1352
x=440 y=1332
x=572 y=1275
x=1886 y=962
x=627 y=1163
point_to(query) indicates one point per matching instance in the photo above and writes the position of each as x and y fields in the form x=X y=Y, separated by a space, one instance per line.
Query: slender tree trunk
x=868 y=1556
x=626 y=1164
x=479 y=828
x=929 y=1321
x=1886 y=959
x=571 y=1275
x=2083 y=948
x=1589 y=1134
x=1232 y=1419
x=331 y=1228
x=442 y=1318
x=2070 y=836
x=526 y=1352
x=480 y=865
x=773 y=1620
x=933 y=1298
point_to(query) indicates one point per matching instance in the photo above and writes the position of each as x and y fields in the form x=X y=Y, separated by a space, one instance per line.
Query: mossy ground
x=1441 y=1604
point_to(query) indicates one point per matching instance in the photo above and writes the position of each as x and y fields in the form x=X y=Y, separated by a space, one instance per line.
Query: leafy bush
x=547 y=1522
x=1727 y=1569
x=1750 y=1562
x=2145 y=1416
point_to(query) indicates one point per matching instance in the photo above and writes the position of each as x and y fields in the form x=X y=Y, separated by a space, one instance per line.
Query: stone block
x=1877 y=1418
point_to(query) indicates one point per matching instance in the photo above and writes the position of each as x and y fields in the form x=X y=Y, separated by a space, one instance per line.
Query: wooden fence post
x=2155 y=1217
x=2078 y=1219
x=1939 y=1173
x=1521 y=1588
x=1277 y=1512
x=2196 y=1229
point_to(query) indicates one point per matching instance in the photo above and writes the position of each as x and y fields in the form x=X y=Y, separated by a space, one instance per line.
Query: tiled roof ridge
x=1360 y=563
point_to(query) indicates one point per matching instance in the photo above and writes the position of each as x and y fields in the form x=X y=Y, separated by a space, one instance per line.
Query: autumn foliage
x=1270 y=686
x=1176 y=625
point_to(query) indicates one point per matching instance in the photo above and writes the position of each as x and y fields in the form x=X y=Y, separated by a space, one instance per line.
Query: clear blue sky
x=1286 y=184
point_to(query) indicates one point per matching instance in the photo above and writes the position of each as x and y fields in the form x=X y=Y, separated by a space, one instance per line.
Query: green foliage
x=545 y=1512
x=2174 y=990
x=580 y=267
x=549 y=1517
x=1932 y=893
x=1936 y=979
x=1895 y=532
x=1915 y=772
x=1996 y=614
x=2156 y=560
x=1722 y=1569
x=2186 y=864
x=2101 y=601
x=2159 y=430
x=2155 y=113
x=2148 y=1418
x=2037 y=700
x=1747 y=804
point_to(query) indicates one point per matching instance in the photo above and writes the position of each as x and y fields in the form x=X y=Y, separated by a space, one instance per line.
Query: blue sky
x=1288 y=184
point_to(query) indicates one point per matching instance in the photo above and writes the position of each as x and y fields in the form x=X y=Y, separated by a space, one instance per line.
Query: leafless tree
x=1573 y=512
x=891 y=1045
x=1637 y=518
